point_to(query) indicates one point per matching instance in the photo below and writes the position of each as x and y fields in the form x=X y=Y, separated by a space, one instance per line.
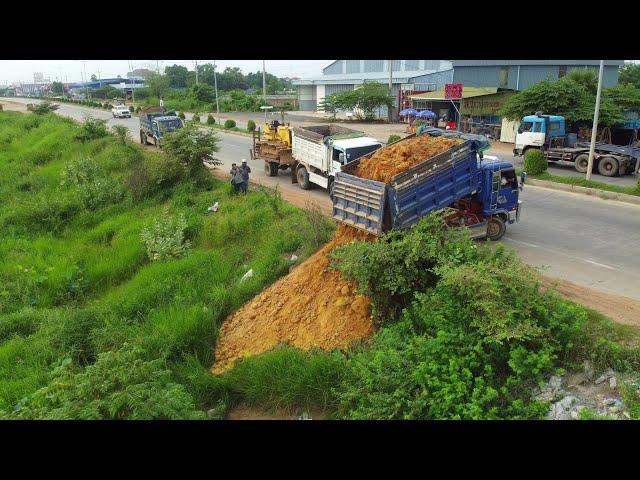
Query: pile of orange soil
x=391 y=160
x=309 y=307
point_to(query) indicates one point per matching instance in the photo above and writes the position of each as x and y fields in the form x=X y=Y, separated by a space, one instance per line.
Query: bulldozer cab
x=276 y=131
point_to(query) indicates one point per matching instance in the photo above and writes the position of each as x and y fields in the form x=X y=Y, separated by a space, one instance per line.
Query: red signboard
x=453 y=91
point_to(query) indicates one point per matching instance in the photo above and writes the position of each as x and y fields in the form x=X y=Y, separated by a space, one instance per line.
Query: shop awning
x=467 y=92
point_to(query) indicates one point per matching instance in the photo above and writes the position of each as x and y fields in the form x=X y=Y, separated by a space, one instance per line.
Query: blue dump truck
x=481 y=195
x=154 y=123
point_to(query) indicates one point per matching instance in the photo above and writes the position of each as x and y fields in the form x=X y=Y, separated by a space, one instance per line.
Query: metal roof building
x=410 y=77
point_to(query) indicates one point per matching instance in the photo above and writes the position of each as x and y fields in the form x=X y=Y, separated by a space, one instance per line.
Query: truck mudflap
x=359 y=202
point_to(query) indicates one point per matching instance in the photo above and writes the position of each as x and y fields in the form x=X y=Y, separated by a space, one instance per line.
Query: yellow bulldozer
x=273 y=145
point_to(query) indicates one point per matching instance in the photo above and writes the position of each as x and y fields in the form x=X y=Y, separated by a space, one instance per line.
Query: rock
x=555 y=382
x=294 y=257
x=609 y=401
x=605 y=376
x=613 y=383
x=561 y=410
x=588 y=370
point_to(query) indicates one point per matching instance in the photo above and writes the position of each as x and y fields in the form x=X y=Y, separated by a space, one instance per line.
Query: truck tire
x=271 y=169
x=608 y=166
x=495 y=228
x=303 y=178
x=581 y=163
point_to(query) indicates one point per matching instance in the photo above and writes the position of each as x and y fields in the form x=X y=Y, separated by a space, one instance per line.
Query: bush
x=195 y=118
x=181 y=115
x=138 y=109
x=95 y=186
x=251 y=125
x=229 y=124
x=534 y=162
x=91 y=129
x=210 y=120
x=165 y=237
x=121 y=133
x=131 y=109
x=393 y=138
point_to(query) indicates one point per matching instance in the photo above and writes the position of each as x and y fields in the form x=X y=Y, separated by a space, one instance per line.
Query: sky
x=69 y=70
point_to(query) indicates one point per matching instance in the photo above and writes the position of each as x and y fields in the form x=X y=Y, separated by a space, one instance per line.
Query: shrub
x=165 y=237
x=195 y=118
x=210 y=120
x=45 y=107
x=96 y=187
x=229 y=124
x=192 y=146
x=138 y=109
x=91 y=129
x=393 y=138
x=251 y=125
x=534 y=162
x=131 y=109
x=181 y=115
x=121 y=132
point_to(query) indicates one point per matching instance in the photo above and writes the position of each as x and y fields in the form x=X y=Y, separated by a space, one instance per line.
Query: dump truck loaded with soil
x=391 y=188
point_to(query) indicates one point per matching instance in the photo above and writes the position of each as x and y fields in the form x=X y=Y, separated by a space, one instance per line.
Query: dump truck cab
x=536 y=130
x=499 y=194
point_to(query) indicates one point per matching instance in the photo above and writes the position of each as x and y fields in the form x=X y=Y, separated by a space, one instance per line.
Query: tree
x=587 y=78
x=177 y=75
x=367 y=98
x=94 y=78
x=328 y=104
x=630 y=74
x=572 y=99
x=232 y=79
x=203 y=93
x=157 y=84
x=191 y=146
x=57 y=88
x=45 y=107
x=107 y=92
x=624 y=95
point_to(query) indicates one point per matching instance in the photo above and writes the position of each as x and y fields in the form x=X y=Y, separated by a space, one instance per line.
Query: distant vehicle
x=121 y=111
x=154 y=124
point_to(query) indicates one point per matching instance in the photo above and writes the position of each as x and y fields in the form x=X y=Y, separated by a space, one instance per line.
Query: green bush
x=45 y=107
x=210 y=120
x=229 y=124
x=121 y=133
x=96 y=187
x=138 y=109
x=195 y=118
x=181 y=115
x=534 y=162
x=165 y=237
x=251 y=125
x=131 y=109
x=393 y=138
x=91 y=129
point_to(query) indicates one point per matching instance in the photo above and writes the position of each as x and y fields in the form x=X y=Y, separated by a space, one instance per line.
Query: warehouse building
x=413 y=77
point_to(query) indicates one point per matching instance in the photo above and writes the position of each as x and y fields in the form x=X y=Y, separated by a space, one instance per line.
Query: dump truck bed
x=432 y=184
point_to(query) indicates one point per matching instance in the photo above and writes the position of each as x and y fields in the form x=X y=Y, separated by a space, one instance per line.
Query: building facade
x=412 y=77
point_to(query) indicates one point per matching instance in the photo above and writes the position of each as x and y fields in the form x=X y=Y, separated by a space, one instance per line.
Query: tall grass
x=76 y=283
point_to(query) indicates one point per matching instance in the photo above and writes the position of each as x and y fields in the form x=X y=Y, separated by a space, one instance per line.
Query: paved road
x=586 y=240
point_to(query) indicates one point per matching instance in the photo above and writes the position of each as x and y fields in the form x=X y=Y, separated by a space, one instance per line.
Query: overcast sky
x=22 y=70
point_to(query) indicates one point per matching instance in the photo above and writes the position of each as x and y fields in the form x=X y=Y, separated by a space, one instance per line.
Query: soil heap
x=393 y=159
x=309 y=307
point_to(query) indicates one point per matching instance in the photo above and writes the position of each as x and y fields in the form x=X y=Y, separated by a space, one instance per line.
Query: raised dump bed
x=481 y=194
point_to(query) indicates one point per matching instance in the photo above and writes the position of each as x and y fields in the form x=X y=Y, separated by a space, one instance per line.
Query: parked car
x=121 y=111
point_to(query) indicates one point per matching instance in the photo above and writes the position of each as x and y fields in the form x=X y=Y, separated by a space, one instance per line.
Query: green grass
x=76 y=283
x=582 y=182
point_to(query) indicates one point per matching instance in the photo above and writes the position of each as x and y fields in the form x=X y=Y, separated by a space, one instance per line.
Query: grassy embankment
x=85 y=314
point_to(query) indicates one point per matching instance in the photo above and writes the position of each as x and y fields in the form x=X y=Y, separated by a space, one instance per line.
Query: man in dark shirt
x=245 y=170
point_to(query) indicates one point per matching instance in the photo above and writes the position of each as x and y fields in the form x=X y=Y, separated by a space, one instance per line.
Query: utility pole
x=390 y=88
x=99 y=77
x=196 y=72
x=86 y=87
x=215 y=85
x=158 y=67
x=596 y=114
x=264 y=90
x=133 y=88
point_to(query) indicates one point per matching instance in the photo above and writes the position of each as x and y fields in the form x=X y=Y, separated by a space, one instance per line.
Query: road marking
x=600 y=264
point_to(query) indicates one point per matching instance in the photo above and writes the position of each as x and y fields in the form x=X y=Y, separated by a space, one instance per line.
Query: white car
x=121 y=111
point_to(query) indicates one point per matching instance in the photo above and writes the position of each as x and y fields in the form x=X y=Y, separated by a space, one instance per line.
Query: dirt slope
x=310 y=307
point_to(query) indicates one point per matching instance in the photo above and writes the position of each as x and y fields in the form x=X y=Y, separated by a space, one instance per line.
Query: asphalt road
x=586 y=240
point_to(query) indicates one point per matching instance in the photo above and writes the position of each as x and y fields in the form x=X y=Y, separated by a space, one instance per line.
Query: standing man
x=245 y=170
x=236 y=178
x=162 y=104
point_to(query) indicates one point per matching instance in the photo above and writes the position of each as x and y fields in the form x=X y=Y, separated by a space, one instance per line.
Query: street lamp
x=594 y=131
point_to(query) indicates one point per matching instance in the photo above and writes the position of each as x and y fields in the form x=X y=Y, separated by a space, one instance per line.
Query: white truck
x=320 y=151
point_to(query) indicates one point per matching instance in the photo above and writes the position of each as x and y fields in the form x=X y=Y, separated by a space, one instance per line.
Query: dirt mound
x=309 y=307
x=391 y=160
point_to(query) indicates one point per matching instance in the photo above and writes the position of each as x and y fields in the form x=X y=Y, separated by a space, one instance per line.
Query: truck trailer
x=481 y=195
x=320 y=151
x=154 y=123
x=548 y=134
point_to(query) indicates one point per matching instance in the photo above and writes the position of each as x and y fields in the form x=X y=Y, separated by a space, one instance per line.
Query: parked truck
x=154 y=123
x=321 y=151
x=481 y=195
x=548 y=133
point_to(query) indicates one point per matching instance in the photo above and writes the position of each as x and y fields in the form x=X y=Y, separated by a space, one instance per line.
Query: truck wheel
x=582 y=163
x=271 y=169
x=496 y=228
x=608 y=166
x=303 y=178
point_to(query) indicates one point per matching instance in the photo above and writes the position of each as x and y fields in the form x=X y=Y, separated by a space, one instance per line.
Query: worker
x=162 y=104
x=245 y=170
x=236 y=177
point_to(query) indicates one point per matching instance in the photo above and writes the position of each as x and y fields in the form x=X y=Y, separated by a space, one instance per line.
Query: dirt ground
x=309 y=307
x=620 y=309
x=8 y=105
x=243 y=412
